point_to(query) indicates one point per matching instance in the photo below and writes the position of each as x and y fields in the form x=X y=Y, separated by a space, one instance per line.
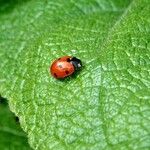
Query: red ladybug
x=65 y=66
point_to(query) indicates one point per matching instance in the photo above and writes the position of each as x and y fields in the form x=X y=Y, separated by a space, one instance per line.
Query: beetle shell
x=61 y=68
x=65 y=66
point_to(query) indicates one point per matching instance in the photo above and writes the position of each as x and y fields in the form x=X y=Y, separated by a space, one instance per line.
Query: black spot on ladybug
x=55 y=75
x=67 y=72
x=59 y=58
x=68 y=59
x=60 y=66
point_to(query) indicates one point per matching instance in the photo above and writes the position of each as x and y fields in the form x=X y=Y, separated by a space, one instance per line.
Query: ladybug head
x=76 y=63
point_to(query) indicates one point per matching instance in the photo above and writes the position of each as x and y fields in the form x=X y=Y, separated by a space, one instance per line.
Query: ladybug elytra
x=65 y=66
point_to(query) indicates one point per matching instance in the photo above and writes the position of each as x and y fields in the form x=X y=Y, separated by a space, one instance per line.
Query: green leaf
x=105 y=105
x=11 y=135
x=125 y=80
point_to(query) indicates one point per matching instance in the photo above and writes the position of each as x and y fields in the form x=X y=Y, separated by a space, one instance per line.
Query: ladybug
x=65 y=66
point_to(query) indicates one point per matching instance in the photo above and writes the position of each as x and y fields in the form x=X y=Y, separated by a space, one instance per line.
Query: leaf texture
x=104 y=106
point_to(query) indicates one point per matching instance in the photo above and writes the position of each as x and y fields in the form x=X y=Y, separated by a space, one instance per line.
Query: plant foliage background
x=106 y=105
x=11 y=135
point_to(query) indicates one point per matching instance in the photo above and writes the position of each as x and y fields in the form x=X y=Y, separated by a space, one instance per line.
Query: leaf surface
x=125 y=80
x=104 y=106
